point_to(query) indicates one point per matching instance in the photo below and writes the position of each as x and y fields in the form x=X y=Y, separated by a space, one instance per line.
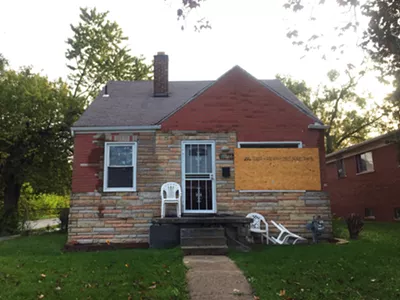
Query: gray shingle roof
x=131 y=103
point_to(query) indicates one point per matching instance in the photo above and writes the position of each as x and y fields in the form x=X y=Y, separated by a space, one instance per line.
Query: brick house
x=365 y=179
x=135 y=136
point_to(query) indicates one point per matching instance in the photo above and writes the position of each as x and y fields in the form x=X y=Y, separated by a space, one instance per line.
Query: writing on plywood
x=277 y=169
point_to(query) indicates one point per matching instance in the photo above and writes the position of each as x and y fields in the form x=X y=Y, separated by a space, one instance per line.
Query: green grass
x=368 y=268
x=121 y=274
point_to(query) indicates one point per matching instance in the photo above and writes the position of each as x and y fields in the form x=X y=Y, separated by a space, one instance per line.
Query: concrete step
x=203 y=241
x=205 y=250
x=202 y=232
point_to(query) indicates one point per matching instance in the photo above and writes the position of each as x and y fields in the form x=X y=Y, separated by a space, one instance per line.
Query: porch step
x=203 y=241
x=205 y=250
x=202 y=232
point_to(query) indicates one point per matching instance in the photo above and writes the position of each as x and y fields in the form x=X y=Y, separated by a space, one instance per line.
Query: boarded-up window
x=277 y=169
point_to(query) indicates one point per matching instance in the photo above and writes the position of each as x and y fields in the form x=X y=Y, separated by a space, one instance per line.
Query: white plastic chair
x=285 y=235
x=171 y=193
x=256 y=226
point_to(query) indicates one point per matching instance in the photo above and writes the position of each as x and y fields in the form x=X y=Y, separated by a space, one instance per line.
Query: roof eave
x=88 y=129
x=318 y=126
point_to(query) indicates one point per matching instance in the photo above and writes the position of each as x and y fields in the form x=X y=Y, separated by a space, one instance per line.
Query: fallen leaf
x=153 y=286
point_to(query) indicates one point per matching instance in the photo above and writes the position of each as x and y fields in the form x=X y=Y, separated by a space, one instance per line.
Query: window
x=270 y=145
x=364 y=162
x=341 y=171
x=120 y=167
x=397 y=213
x=369 y=212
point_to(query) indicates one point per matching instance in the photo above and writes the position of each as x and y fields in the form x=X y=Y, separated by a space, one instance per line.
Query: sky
x=249 y=33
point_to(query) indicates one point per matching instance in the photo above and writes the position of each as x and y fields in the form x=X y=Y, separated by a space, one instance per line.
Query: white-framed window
x=365 y=163
x=278 y=144
x=120 y=167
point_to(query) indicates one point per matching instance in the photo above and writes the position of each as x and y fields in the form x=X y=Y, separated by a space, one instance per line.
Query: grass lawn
x=368 y=268
x=34 y=268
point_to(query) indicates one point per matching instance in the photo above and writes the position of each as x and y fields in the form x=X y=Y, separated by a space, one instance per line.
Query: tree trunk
x=329 y=143
x=12 y=192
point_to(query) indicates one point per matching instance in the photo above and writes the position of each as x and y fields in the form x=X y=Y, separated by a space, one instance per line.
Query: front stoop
x=203 y=241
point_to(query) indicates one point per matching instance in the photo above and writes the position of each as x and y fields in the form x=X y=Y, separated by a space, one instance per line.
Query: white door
x=198 y=177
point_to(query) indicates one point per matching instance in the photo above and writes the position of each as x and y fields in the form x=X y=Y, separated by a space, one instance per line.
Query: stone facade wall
x=127 y=216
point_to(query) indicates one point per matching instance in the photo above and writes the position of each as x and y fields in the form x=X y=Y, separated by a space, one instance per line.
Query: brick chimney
x=160 y=75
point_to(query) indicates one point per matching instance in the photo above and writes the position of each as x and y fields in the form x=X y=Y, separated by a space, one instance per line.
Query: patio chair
x=285 y=236
x=256 y=226
x=171 y=193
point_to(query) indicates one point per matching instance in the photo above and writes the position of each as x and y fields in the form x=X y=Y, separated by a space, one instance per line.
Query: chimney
x=160 y=75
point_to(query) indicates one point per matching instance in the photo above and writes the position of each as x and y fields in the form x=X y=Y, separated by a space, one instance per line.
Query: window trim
x=106 y=161
x=299 y=143
x=358 y=156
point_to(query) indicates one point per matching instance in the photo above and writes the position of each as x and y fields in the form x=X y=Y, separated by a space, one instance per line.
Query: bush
x=355 y=225
x=38 y=206
x=31 y=206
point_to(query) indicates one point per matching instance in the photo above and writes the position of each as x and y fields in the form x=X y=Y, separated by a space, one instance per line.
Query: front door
x=198 y=177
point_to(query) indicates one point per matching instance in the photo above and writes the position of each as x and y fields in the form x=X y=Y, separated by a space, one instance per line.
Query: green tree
x=348 y=115
x=380 y=39
x=3 y=63
x=35 y=139
x=96 y=54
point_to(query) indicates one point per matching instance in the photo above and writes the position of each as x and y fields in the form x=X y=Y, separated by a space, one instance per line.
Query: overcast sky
x=249 y=33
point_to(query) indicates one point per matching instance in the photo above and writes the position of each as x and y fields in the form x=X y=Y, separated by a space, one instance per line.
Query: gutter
x=318 y=126
x=114 y=128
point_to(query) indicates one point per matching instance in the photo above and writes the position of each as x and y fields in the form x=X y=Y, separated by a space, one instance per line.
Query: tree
x=380 y=39
x=35 y=138
x=347 y=114
x=3 y=63
x=96 y=55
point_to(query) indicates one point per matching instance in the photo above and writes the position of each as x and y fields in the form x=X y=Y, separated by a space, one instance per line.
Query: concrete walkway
x=215 y=277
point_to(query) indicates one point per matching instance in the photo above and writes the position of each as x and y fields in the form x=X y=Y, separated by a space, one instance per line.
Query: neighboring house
x=365 y=179
x=135 y=136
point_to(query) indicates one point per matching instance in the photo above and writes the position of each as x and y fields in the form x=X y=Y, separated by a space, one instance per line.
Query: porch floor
x=203 y=220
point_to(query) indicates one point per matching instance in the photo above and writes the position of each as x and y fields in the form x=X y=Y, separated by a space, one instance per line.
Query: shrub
x=355 y=225
x=36 y=206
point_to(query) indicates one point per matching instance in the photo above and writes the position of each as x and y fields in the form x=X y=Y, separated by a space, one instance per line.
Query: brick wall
x=239 y=103
x=378 y=190
x=127 y=216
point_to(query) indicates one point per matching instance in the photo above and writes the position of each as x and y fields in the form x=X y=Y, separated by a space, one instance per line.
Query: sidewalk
x=216 y=278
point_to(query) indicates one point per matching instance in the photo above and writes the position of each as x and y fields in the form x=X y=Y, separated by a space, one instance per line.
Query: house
x=365 y=179
x=135 y=136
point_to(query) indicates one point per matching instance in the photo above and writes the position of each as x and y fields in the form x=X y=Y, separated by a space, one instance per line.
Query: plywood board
x=277 y=169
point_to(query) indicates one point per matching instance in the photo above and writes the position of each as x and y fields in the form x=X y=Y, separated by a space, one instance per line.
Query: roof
x=131 y=103
x=362 y=144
